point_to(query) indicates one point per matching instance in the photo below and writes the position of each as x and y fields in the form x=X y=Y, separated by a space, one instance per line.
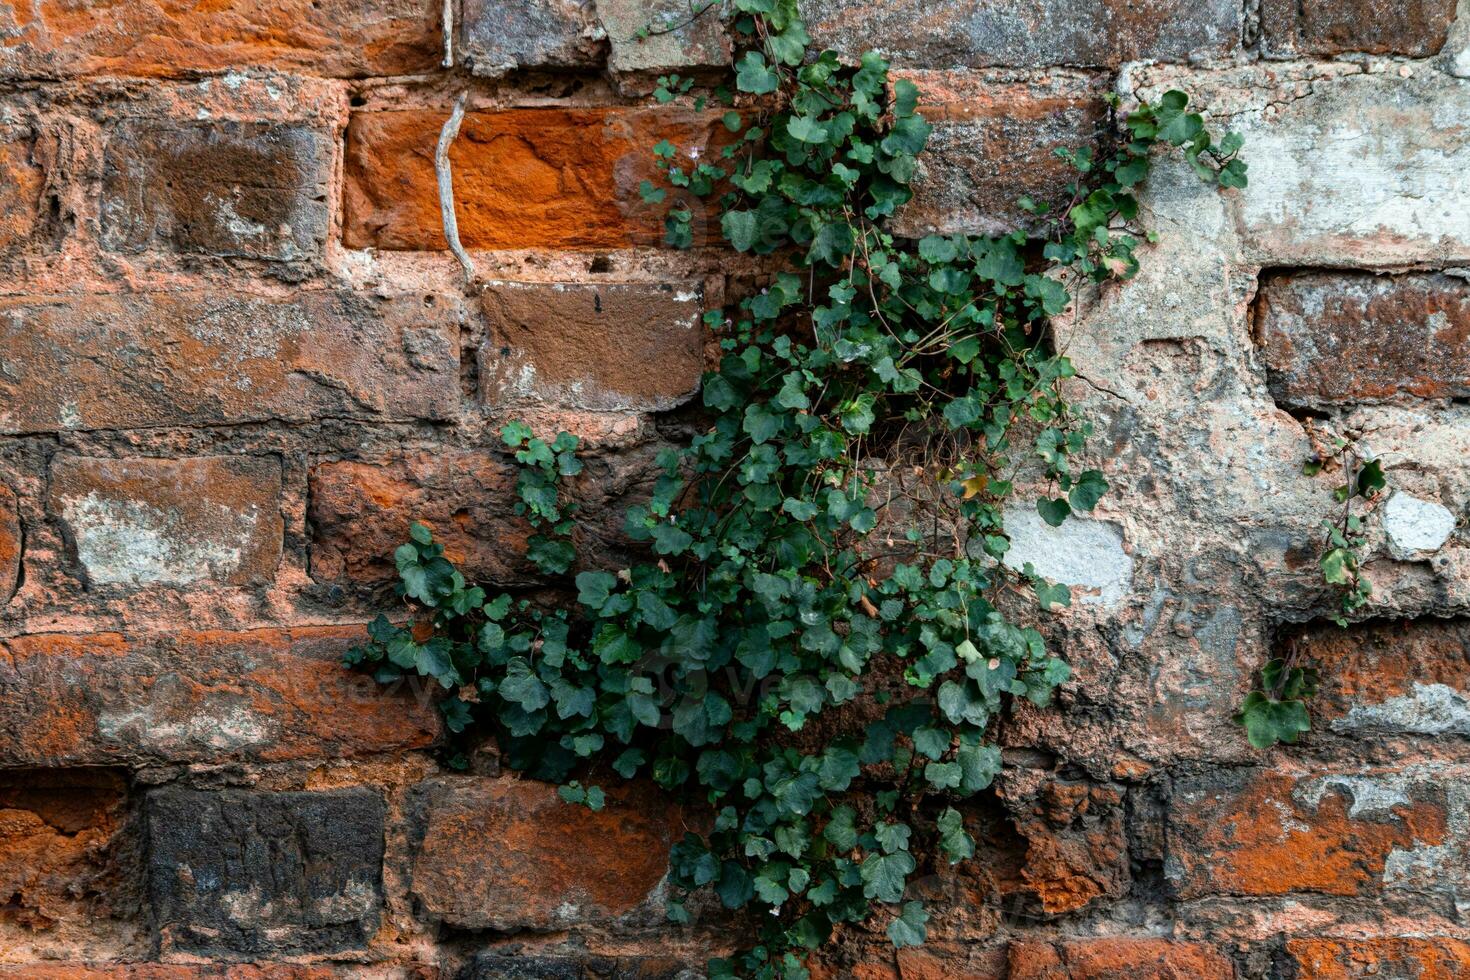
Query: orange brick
x=10 y=538
x=264 y=695
x=1349 y=959
x=1392 y=676
x=508 y=854
x=1118 y=959
x=212 y=357
x=161 y=38
x=523 y=178
x=1275 y=833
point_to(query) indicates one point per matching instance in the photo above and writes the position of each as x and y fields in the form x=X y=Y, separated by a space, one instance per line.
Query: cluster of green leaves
x=1276 y=711
x=831 y=544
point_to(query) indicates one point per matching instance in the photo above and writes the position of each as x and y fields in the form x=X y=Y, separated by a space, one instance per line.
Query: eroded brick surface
x=10 y=544
x=64 y=855
x=136 y=522
x=527 y=965
x=1392 y=677
x=1077 y=849
x=592 y=346
x=1432 y=958
x=1337 y=338
x=498 y=36
x=1118 y=959
x=211 y=357
x=993 y=143
x=508 y=854
x=337 y=38
x=1260 y=833
x=920 y=33
x=263 y=695
x=238 y=873
x=1415 y=28
x=257 y=190
x=523 y=178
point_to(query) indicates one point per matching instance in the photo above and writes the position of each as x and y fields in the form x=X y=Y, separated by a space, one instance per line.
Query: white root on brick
x=446 y=187
x=448 y=34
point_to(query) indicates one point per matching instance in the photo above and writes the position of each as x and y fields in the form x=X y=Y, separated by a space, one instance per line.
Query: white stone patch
x=1371 y=796
x=127 y=542
x=1428 y=709
x=1416 y=525
x=1085 y=553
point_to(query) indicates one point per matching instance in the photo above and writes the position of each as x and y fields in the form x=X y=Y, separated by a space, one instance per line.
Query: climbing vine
x=824 y=630
x=1276 y=710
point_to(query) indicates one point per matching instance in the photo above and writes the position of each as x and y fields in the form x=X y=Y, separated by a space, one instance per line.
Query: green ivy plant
x=1276 y=710
x=823 y=633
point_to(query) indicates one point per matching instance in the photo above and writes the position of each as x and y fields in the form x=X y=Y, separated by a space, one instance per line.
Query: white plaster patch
x=1083 y=552
x=1428 y=709
x=127 y=542
x=1416 y=525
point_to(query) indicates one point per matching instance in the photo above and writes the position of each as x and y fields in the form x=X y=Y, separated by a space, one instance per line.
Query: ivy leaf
x=1268 y=721
x=910 y=928
x=753 y=75
x=806 y=129
x=740 y=229
x=841 y=830
x=1087 y=490
x=953 y=839
x=1054 y=512
x=522 y=687
x=594 y=589
x=884 y=875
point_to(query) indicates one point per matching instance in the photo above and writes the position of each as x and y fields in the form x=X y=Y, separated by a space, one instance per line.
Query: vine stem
x=445 y=176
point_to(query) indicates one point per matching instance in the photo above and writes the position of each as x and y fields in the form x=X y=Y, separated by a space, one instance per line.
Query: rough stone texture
x=1376 y=833
x=682 y=41
x=338 y=38
x=216 y=335
x=1295 y=28
x=1391 y=677
x=1117 y=959
x=602 y=347
x=59 y=835
x=361 y=510
x=262 y=695
x=238 y=873
x=1343 y=959
x=523 y=178
x=576 y=966
x=992 y=144
x=499 y=36
x=977 y=33
x=507 y=854
x=223 y=188
x=1330 y=339
x=208 y=358
x=138 y=522
x=10 y=544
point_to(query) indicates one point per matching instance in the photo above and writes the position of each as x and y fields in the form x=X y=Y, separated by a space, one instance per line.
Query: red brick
x=1118 y=959
x=1391 y=677
x=1264 y=833
x=600 y=347
x=135 y=522
x=1077 y=847
x=360 y=511
x=977 y=33
x=171 y=38
x=1433 y=958
x=1414 y=28
x=206 y=358
x=256 y=190
x=60 y=838
x=993 y=143
x=263 y=695
x=508 y=854
x=22 y=180
x=1341 y=338
x=10 y=544
x=523 y=178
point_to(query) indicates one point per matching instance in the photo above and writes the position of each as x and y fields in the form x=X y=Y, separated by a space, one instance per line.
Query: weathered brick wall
x=236 y=359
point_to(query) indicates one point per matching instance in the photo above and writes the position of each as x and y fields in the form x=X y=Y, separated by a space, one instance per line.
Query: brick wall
x=236 y=359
